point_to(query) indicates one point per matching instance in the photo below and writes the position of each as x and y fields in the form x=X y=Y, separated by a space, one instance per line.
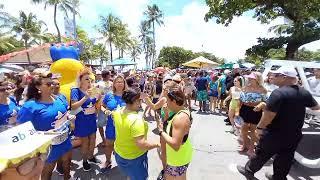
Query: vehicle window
x=313 y=78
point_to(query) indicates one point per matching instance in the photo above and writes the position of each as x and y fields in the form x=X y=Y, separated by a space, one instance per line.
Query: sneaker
x=94 y=160
x=59 y=171
x=86 y=166
x=243 y=171
x=268 y=175
x=106 y=168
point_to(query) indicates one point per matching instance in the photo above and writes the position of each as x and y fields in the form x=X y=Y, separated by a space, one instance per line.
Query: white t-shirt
x=104 y=87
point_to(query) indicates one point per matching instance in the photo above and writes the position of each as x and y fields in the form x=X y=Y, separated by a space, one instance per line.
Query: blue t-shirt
x=201 y=84
x=8 y=111
x=112 y=102
x=222 y=84
x=63 y=98
x=43 y=116
x=47 y=116
x=213 y=86
x=87 y=107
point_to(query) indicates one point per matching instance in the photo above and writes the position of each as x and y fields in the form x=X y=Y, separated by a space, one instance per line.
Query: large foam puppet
x=66 y=63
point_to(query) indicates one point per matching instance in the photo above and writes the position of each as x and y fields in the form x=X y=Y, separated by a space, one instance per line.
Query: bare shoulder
x=182 y=119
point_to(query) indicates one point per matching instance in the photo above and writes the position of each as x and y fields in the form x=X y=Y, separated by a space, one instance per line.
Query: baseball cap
x=227 y=71
x=251 y=76
x=236 y=66
x=288 y=71
x=167 y=78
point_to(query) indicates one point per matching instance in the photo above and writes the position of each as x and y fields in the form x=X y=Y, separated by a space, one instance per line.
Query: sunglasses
x=49 y=84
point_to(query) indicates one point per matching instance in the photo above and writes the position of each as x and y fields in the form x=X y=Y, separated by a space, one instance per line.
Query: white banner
x=20 y=141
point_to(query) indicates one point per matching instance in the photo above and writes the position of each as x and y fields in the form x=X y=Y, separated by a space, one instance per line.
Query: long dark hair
x=33 y=91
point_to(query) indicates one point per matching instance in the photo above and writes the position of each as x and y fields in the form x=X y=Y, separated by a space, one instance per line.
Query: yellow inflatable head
x=65 y=63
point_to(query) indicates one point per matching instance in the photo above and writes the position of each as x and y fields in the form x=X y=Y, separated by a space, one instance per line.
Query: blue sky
x=184 y=24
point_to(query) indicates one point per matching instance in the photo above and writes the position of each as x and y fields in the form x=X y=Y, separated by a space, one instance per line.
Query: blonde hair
x=83 y=72
x=124 y=81
x=259 y=78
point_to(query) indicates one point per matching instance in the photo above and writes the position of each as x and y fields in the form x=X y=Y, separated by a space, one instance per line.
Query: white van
x=307 y=79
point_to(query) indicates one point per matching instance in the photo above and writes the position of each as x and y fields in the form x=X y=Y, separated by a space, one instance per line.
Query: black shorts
x=249 y=115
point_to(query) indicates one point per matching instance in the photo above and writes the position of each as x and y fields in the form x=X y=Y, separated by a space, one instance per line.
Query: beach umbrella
x=200 y=62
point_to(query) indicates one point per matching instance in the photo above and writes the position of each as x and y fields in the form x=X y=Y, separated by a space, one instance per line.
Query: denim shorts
x=136 y=169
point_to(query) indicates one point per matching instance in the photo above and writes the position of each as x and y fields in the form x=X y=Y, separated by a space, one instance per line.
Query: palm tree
x=29 y=28
x=135 y=49
x=145 y=39
x=63 y=5
x=122 y=39
x=154 y=15
x=109 y=27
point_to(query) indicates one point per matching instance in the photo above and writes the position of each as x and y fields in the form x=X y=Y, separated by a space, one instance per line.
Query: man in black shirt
x=280 y=127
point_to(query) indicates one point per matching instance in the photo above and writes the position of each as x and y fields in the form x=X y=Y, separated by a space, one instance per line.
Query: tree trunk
x=154 y=45
x=55 y=22
x=110 y=45
x=28 y=55
x=292 y=48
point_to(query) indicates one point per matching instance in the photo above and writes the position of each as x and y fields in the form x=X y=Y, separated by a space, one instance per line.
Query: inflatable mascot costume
x=66 y=63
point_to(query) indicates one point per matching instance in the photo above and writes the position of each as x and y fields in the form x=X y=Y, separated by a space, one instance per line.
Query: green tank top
x=184 y=155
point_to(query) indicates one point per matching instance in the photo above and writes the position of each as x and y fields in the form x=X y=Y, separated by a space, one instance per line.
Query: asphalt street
x=215 y=155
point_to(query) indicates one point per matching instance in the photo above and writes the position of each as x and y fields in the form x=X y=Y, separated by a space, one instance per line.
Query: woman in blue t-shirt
x=48 y=113
x=8 y=106
x=83 y=103
x=112 y=101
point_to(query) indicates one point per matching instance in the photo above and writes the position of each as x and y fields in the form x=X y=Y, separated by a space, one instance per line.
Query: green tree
x=174 y=56
x=63 y=5
x=109 y=27
x=302 y=24
x=29 y=29
x=154 y=15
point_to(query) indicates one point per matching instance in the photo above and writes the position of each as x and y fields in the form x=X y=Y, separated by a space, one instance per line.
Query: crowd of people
x=265 y=124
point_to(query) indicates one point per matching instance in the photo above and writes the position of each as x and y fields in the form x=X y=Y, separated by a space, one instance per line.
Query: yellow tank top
x=184 y=155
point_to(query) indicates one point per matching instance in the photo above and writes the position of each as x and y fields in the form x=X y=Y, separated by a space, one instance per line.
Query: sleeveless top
x=235 y=94
x=184 y=155
x=252 y=97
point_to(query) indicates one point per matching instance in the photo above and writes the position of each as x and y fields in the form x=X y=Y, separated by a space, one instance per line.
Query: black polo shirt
x=289 y=102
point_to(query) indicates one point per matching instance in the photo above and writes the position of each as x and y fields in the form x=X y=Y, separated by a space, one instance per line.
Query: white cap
x=236 y=66
x=288 y=71
x=98 y=72
x=227 y=71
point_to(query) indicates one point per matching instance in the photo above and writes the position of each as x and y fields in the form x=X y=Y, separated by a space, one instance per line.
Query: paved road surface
x=215 y=156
